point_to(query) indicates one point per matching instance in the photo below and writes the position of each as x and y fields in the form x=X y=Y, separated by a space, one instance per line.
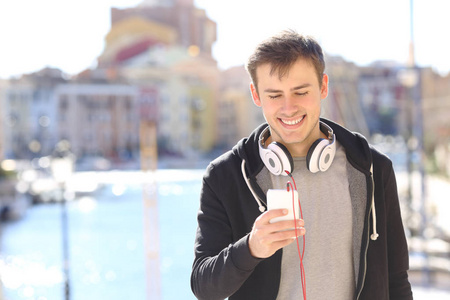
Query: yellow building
x=168 y=49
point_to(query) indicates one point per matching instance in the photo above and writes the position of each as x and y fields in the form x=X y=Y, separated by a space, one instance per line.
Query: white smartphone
x=279 y=199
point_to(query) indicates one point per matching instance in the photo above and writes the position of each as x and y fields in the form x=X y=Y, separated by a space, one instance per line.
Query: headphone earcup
x=326 y=157
x=320 y=155
x=271 y=161
x=312 y=158
x=284 y=159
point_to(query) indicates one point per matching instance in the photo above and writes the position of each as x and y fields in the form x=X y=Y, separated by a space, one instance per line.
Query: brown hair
x=282 y=51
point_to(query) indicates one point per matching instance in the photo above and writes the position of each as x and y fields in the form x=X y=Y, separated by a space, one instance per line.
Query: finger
x=288 y=234
x=288 y=224
x=273 y=213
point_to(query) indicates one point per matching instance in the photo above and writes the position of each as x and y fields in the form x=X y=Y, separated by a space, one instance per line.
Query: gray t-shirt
x=327 y=211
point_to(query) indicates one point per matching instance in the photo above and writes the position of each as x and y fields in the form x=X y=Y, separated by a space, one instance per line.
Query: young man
x=355 y=246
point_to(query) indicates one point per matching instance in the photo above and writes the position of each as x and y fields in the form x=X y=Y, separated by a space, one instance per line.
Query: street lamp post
x=62 y=165
x=149 y=165
x=418 y=132
x=412 y=79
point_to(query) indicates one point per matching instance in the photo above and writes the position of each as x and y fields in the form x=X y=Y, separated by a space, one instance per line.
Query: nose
x=290 y=104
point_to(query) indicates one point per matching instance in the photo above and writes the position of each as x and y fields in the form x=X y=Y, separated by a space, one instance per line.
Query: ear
x=255 y=95
x=324 y=87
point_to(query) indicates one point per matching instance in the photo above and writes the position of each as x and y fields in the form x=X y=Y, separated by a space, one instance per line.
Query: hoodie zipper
x=365 y=258
x=365 y=250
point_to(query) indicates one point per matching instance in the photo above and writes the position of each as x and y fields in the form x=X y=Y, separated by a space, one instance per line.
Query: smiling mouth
x=292 y=122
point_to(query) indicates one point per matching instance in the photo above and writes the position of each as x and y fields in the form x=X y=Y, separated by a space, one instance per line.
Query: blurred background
x=111 y=110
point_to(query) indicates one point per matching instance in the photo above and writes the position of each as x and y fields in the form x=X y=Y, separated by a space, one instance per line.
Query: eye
x=274 y=96
x=302 y=94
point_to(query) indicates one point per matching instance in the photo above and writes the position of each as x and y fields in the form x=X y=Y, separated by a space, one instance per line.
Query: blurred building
x=29 y=114
x=343 y=104
x=99 y=119
x=17 y=118
x=389 y=93
x=380 y=92
x=436 y=110
x=157 y=66
x=3 y=117
x=190 y=24
x=238 y=116
x=165 y=46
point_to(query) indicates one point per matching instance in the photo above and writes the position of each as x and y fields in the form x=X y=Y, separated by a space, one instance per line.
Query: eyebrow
x=302 y=86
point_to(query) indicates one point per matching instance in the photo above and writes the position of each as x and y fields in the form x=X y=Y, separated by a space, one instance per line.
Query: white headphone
x=279 y=161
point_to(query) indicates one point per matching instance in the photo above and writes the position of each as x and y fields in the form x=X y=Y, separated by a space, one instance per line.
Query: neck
x=301 y=149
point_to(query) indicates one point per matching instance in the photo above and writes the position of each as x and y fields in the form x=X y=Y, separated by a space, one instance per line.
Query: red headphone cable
x=300 y=255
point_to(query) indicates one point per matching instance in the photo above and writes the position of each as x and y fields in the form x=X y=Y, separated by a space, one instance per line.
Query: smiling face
x=291 y=104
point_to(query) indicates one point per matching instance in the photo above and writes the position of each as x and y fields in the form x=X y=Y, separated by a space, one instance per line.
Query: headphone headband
x=278 y=160
x=325 y=128
x=264 y=136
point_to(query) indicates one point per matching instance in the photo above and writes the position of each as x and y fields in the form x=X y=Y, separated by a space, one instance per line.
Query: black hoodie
x=223 y=266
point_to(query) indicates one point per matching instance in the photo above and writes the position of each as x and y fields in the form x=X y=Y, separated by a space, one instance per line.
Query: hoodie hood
x=356 y=146
x=247 y=149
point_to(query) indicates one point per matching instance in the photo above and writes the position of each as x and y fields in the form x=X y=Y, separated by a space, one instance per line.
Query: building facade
x=166 y=46
x=99 y=119
x=29 y=114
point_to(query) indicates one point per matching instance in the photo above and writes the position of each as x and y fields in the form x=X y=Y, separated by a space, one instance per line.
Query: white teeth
x=292 y=122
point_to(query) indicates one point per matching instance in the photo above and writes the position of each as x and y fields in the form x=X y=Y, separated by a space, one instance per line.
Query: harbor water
x=106 y=238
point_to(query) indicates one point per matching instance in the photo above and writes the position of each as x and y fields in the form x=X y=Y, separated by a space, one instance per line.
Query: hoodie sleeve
x=221 y=264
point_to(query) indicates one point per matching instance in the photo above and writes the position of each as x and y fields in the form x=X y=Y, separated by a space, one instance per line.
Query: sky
x=69 y=34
